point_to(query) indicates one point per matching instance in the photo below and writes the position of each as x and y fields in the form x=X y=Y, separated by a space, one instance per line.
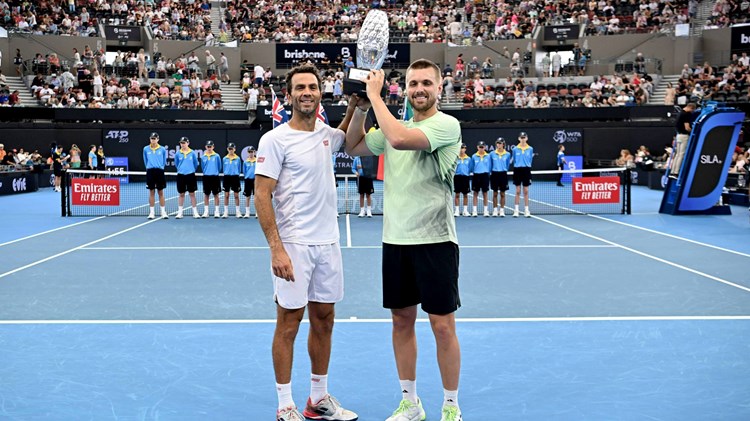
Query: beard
x=297 y=107
x=426 y=105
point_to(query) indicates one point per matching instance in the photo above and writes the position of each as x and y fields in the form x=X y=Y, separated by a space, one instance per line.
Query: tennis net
x=124 y=193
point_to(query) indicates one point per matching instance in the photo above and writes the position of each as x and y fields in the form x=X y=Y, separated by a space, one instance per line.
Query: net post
x=628 y=181
x=63 y=193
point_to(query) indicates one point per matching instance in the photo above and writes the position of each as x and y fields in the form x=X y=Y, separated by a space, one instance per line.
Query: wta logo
x=562 y=136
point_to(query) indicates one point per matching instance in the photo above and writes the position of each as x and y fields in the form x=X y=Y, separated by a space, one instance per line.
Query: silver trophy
x=372 y=48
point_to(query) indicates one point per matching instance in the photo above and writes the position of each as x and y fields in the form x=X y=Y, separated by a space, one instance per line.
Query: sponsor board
x=593 y=190
x=95 y=192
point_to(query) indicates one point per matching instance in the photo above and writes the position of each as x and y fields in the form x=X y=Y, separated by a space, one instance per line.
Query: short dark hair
x=304 y=68
x=423 y=63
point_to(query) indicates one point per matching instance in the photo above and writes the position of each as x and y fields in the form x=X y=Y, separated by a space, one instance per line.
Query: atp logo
x=122 y=136
x=19 y=184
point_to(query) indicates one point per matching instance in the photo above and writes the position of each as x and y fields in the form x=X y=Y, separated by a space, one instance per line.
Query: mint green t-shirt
x=418 y=185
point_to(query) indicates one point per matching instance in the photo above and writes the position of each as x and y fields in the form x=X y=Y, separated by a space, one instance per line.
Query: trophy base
x=354 y=86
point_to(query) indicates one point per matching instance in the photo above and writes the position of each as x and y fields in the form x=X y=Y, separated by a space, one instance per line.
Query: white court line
x=676 y=237
x=357 y=320
x=76 y=248
x=353 y=247
x=348 y=232
x=638 y=252
x=49 y=231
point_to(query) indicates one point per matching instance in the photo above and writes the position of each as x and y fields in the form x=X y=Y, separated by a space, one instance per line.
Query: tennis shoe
x=466 y=212
x=178 y=216
x=289 y=413
x=151 y=216
x=515 y=213
x=196 y=215
x=247 y=215
x=502 y=213
x=361 y=213
x=474 y=213
x=328 y=408
x=408 y=411
x=527 y=213
x=369 y=213
x=451 y=413
x=217 y=214
x=486 y=213
x=205 y=213
x=164 y=216
x=494 y=212
x=456 y=213
x=238 y=215
x=226 y=214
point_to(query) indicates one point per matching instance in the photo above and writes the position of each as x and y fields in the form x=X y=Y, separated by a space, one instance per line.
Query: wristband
x=361 y=111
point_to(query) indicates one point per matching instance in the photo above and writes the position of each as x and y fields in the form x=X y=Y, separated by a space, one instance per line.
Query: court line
x=114 y=248
x=49 y=231
x=676 y=237
x=376 y=320
x=638 y=252
x=348 y=232
x=76 y=248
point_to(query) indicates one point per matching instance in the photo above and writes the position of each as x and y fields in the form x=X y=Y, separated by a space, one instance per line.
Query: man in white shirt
x=294 y=168
x=258 y=72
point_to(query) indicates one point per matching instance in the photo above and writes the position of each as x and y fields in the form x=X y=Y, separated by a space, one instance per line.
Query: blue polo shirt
x=522 y=157
x=357 y=166
x=94 y=159
x=560 y=158
x=211 y=163
x=232 y=165
x=248 y=169
x=500 y=161
x=186 y=162
x=155 y=158
x=463 y=166
x=481 y=163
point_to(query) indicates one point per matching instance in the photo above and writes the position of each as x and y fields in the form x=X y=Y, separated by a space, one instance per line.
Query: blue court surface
x=564 y=317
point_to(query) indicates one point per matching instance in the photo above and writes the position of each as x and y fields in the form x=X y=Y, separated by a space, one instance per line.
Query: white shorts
x=318 y=276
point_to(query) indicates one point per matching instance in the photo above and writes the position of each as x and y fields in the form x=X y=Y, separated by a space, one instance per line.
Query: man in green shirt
x=420 y=246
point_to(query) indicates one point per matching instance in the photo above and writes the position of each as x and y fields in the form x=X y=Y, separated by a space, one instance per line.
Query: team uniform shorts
x=461 y=184
x=364 y=185
x=232 y=183
x=249 y=187
x=499 y=180
x=211 y=185
x=187 y=183
x=421 y=273
x=522 y=176
x=480 y=182
x=318 y=276
x=155 y=179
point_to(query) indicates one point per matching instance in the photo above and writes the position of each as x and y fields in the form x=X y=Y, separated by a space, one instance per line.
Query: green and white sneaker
x=408 y=411
x=451 y=413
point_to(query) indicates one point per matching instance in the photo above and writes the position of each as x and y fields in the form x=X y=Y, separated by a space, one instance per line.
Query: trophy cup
x=372 y=47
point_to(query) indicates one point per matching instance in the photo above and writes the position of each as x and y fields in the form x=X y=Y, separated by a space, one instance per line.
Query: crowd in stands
x=48 y=17
x=728 y=12
x=437 y=21
x=724 y=84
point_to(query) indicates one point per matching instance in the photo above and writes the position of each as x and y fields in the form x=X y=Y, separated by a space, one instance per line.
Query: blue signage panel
x=574 y=162
x=118 y=165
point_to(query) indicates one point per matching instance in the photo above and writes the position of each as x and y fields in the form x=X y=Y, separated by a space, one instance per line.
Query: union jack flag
x=322 y=116
x=279 y=114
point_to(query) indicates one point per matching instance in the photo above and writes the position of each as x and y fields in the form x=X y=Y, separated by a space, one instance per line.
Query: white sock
x=450 y=397
x=318 y=387
x=284 y=392
x=216 y=209
x=179 y=209
x=195 y=209
x=516 y=208
x=409 y=390
x=369 y=209
x=237 y=210
x=163 y=210
x=456 y=208
x=151 y=210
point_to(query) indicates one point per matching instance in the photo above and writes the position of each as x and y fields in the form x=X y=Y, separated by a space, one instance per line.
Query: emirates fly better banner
x=95 y=192
x=592 y=190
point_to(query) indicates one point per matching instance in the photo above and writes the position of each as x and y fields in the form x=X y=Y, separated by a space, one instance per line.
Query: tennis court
x=564 y=317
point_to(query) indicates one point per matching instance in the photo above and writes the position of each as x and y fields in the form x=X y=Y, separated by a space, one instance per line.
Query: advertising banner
x=292 y=53
x=593 y=190
x=95 y=191
x=122 y=33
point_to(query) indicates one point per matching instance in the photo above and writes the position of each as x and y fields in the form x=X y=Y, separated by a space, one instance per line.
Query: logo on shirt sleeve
x=261 y=159
x=325 y=142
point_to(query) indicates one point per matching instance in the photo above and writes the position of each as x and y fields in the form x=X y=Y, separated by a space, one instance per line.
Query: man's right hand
x=282 y=264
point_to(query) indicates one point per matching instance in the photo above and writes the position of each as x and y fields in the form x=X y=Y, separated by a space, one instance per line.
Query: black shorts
x=186 y=183
x=461 y=184
x=499 y=180
x=211 y=185
x=480 y=182
x=57 y=170
x=232 y=183
x=155 y=179
x=421 y=273
x=522 y=176
x=249 y=187
x=364 y=185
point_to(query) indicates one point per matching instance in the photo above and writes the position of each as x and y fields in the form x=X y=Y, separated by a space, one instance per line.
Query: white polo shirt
x=305 y=193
